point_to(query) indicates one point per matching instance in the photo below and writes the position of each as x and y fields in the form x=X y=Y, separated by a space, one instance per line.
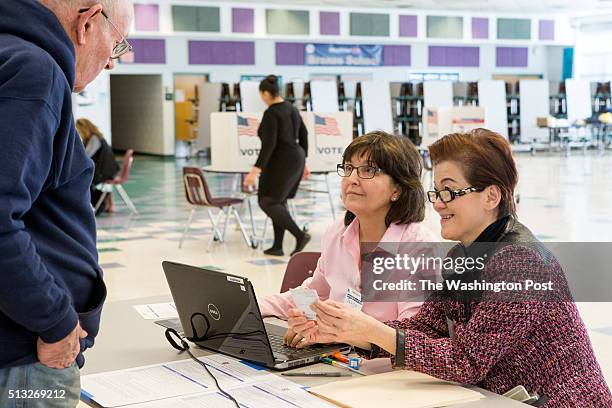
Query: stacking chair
x=300 y=267
x=117 y=183
x=198 y=194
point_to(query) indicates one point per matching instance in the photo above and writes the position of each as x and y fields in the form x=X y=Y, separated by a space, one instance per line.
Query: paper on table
x=168 y=380
x=157 y=311
x=133 y=386
x=276 y=393
x=228 y=371
x=395 y=389
x=303 y=298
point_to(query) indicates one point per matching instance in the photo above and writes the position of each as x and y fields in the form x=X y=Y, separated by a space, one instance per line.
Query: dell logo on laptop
x=214 y=312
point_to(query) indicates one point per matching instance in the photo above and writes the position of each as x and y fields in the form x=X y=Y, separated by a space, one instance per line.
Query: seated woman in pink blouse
x=385 y=202
x=487 y=339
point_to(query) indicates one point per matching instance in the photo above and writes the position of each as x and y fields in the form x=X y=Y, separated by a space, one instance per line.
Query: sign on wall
x=348 y=55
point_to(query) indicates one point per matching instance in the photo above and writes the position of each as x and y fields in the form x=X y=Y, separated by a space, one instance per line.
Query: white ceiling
x=504 y=6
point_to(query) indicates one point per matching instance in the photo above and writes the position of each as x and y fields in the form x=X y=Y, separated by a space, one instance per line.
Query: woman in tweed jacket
x=472 y=339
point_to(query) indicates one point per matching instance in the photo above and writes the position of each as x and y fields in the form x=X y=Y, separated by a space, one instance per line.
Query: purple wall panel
x=243 y=20
x=149 y=51
x=290 y=53
x=547 y=30
x=244 y=53
x=221 y=53
x=440 y=56
x=408 y=26
x=396 y=55
x=200 y=52
x=512 y=57
x=329 y=23
x=480 y=28
x=146 y=17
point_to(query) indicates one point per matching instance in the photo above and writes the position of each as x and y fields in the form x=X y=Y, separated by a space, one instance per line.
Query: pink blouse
x=338 y=270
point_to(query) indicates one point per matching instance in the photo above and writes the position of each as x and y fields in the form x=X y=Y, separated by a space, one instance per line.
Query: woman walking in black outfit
x=280 y=165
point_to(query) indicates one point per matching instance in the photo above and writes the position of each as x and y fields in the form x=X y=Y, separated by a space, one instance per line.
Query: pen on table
x=329 y=361
x=315 y=374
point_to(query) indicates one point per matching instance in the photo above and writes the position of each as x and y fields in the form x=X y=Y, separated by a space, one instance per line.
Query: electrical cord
x=182 y=345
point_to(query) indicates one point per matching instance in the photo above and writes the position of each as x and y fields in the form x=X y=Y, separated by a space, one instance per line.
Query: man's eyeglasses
x=449 y=195
x=123 y=46
x=364 y=172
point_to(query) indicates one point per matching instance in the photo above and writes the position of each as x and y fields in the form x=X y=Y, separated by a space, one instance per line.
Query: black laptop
x=219 y=311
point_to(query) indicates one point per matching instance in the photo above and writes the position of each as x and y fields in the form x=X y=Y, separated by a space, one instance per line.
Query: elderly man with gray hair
x=51 y=286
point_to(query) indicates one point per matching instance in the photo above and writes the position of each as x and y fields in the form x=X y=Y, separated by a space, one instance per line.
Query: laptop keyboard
x=278 y=346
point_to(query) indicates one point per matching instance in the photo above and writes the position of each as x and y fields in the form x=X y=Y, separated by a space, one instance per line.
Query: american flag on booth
x=432 y=116
x=247 y=126
x=326 y=125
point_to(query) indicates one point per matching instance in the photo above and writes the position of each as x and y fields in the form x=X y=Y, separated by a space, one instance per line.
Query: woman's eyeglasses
x=449 y=195
x=364 y=172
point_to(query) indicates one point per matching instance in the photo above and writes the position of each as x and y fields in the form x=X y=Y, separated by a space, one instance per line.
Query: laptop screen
x=219 y=311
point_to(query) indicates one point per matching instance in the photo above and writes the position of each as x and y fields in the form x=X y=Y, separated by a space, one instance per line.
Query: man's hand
x=62 y=353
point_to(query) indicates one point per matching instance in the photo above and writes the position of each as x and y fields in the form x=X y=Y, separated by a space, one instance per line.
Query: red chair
x=198 y=194
x=300 y=267
x=117 y=182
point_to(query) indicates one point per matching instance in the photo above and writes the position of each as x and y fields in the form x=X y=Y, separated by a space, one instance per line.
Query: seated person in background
x=477 y=337
x=385 y=202
x=100 y=152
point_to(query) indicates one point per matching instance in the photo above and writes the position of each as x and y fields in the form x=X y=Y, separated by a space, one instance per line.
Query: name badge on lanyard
x=353 y=299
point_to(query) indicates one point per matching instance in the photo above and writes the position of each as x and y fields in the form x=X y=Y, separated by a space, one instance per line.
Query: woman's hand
x=298 y=324
x=250 y=181
x=306 y=174
x=341 y=323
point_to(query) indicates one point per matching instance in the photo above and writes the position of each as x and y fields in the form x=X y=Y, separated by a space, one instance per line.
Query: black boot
x=299 y=246
x=274 y=251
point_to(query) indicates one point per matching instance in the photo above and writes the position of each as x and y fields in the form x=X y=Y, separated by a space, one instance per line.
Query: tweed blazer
x=542 y=345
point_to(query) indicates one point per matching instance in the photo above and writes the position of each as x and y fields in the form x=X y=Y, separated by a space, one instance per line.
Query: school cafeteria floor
x=561 y=199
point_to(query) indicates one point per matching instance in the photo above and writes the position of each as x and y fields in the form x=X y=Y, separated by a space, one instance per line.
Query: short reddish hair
x=486 y=159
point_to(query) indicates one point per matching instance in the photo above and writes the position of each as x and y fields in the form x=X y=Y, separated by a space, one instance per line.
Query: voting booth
x=324 y=96
x=492 y=96
x=534 y=104
x=377 y=114
x=249 y=95
x=438 y=94
x=438 y=122
x=578 y=93
x=328 y=135
x=235 y=145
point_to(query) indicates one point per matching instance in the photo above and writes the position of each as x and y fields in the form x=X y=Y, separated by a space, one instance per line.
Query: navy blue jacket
x=49 y=273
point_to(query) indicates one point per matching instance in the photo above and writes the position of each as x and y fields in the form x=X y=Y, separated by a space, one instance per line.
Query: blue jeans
x=38 y=386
